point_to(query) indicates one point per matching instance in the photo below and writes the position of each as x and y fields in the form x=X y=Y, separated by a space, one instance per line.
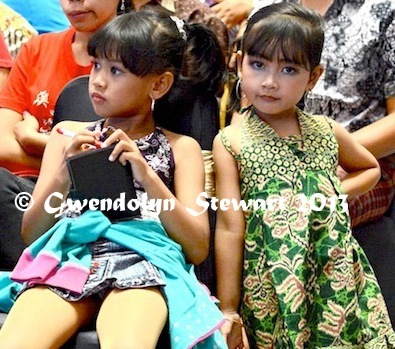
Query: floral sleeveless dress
x=306 y=281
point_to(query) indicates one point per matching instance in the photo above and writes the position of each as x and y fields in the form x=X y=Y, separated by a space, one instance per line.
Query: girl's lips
x=97 y=98
x=269 y=98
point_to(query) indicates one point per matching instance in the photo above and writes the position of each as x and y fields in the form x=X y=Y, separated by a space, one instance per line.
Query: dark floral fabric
x=359 y=62
x=306 y=281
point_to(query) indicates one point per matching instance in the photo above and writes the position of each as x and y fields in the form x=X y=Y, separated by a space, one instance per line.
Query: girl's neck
x=135 y=127
x=79 y=48
x=321 y=6
x=285 y=124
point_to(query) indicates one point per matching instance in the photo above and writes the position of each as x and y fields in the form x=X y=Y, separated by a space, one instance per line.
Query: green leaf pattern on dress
x=307 y=283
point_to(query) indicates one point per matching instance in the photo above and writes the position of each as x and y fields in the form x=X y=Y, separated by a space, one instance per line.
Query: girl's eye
x=96 y=65
x=257 y=64
x=115 y=71
x=289 y=70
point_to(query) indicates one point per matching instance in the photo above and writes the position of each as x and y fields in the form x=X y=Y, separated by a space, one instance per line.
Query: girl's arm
x=191 y=232
x=53 y=179
x=229 y=242
x=363 y=170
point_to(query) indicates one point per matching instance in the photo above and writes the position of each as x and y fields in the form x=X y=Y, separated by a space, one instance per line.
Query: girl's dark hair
x=150 y=42
x=285 y=28
x=191 y=106
x=146 y=42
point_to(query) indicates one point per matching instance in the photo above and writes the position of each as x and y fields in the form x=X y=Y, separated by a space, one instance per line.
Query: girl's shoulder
x=230 y=137
x=181 y=143
x=316 y=121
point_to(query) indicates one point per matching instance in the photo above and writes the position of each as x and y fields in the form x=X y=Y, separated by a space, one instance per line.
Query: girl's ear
x=161 y=85
x=314 y=76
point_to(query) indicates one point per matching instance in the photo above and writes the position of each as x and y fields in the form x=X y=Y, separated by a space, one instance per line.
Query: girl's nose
x=269 y=82
x=97 y=79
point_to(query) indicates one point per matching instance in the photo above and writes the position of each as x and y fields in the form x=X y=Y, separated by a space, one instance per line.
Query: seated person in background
x=44 y=65
x=5 y=61
x=15 y=28
x=44 y=15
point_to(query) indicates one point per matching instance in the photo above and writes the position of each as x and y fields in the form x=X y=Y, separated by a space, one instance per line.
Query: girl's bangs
x=277 y=41
x=133 y=51
x=109 y=49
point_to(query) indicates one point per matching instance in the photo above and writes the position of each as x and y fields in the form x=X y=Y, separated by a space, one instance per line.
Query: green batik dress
x=306 y=283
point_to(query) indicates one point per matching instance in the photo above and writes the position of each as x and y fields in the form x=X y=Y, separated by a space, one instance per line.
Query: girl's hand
x=126 y=151
x=234 y=332
x=340 y=172
x=82 y=141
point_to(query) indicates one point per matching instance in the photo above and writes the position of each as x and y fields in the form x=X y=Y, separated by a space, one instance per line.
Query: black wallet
x=93 y=176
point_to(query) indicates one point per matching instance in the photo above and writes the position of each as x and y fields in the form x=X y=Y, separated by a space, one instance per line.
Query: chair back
x=74 y=103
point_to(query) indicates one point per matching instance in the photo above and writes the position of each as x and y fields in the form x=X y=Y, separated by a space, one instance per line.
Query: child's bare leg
x=131 y=319
x=41 y=319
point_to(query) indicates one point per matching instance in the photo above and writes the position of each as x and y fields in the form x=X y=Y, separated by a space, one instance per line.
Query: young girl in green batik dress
x=296 y=277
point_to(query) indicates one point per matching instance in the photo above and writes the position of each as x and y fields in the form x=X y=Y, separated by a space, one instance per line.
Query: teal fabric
x=193 y=314
x=8 y=291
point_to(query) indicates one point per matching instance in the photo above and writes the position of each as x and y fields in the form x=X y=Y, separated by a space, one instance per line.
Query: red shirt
x=5 y=56
x=41 y=69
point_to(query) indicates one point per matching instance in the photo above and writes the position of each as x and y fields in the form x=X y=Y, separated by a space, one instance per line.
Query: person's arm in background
x=233 y=12
x=379 y=136
x=21 y=141
x=28 y=136
x=12 y=152
x=5 y=61
x=4 y=72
